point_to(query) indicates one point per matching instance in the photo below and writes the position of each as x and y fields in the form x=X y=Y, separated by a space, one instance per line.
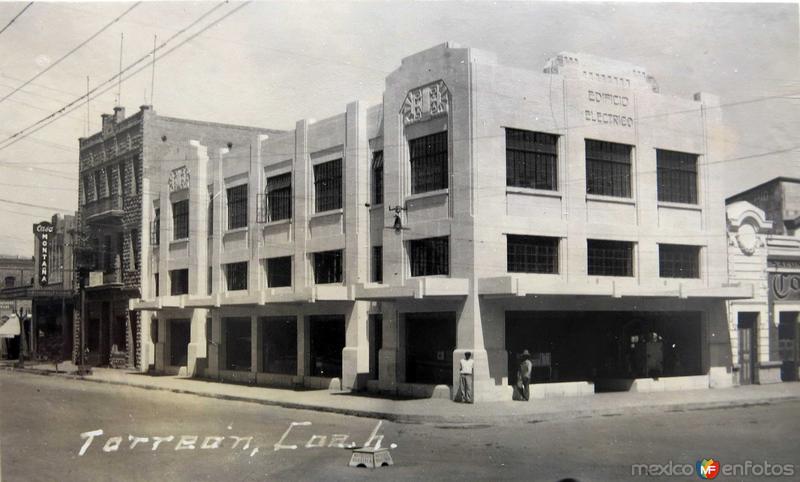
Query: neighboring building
x=53 y=293
x=479 y=208
x=764 y=250
x=16 y=277
x=115 y=213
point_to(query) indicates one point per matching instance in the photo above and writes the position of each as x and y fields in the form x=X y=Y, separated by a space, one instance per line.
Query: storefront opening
x=279 y=344
x=430 y=341
x=327 y=342
x=237 y=343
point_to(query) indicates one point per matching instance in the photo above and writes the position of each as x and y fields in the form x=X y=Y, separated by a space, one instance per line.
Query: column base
x=490 y=374
x=351 y=378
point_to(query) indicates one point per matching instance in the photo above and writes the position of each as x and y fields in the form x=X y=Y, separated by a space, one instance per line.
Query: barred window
x=236 y=276
x=328 y=267
x=279 y=272
x=532 y=254
x=180 y=219
x=155 y=229
x=179 y=282
x=237 y=207
x=531 y=159
x=678 y=261
x=610 y=258
x=328 y=186
x=279 y=197
x=677 y=176
x=210 y=212
x=377 y=264
x=429 y=256
x=608 y=168
x=429 y=163
x=377 y=177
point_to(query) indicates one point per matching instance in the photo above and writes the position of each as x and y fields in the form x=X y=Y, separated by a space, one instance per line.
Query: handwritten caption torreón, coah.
x=231 y=442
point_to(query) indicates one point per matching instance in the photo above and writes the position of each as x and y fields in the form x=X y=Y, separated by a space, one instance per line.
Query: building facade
x=480 y=208
x=16 y=278
x=764 y=250
x=115 y=212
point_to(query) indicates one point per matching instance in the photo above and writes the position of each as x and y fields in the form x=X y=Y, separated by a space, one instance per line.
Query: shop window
x=429 y=169
x=236 y=276
x=328 y=267
x=328 y=186
x=279 y=343
x=608 y=168
x=180 y=219
x=677 y=176
x=677 y=261
x=279 y=197
x=237 y=344
x=237 y=207
x=279 y=272
x=179 y=282
x=532 y=254
x=377 y=264
x=377 y=177
x=610 y=258
x=430 y=256
x=531 y=159
x=327 y=341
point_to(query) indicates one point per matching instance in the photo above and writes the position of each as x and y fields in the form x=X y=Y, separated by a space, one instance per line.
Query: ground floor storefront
x=412 y=347
x=110 y=332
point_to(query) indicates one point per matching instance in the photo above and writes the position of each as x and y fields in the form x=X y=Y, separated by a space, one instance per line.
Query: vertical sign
x=44 y=232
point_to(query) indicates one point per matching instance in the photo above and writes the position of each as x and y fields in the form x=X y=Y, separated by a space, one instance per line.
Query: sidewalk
x=439 y=410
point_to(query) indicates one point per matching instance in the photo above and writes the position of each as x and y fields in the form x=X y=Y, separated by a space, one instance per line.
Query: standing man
x=525 y=370
x=465 y=387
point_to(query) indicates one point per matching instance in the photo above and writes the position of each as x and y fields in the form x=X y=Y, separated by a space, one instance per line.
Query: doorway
x=179 y=331
x=789 y=344
x=430 y=341
x=748 y=348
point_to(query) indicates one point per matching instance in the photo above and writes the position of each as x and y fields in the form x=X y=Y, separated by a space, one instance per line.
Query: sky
x=269 y=64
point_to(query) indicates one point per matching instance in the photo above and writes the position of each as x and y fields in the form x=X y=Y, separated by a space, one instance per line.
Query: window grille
x=678 y=261
x=237 y=207
x=531 y=159
x=610 y=258
x=328 y=186
x=179 y=282
x=677 y=176
x=532 y=254
x=377 y=264
x=279 y=272
x=236 y=276
x=429 y=168
x=608 y=168
x=180 y=219
x=377 y=177
x=278 y=197
x=430 y=256
x=328 y=267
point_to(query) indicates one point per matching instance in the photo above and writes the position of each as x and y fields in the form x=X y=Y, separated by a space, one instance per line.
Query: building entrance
x=748 y=355
x=327 y=343
x=430 y=341
x=789 y=345
x=179 y=334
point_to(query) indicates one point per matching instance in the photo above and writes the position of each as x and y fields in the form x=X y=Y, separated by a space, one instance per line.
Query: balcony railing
x=101 y=278
x=107 y=206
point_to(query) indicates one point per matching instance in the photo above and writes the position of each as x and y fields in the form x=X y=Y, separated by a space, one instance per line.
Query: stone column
x=387 y=356
x=197 y=341
x=214 y=357
x=161 y=350
x=303 y=346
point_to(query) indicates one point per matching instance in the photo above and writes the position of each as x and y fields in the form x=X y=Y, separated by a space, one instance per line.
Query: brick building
x=115 y=166
x=479 y=207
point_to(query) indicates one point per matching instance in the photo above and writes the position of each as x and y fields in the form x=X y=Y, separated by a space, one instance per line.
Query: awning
x=9 y=326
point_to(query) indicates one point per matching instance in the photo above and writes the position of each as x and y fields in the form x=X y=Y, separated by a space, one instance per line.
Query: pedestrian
x=524 y=375
x=465 y=385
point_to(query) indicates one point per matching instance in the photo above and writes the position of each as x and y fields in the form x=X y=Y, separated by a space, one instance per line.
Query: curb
x=436 y=419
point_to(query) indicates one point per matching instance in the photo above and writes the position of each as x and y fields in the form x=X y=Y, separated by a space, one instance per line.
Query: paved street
x=43 y=419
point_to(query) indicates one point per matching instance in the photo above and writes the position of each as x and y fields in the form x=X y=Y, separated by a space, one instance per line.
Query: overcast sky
x=272 y=63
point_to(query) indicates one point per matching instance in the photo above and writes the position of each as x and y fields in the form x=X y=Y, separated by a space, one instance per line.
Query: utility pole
x=23 y=338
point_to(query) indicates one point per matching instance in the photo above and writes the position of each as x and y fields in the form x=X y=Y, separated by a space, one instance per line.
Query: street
x=43 y=419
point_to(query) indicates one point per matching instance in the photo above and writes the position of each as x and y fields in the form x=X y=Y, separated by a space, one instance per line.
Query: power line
x=75 y=49
x=16 y=17
x=37 y=206
x=79 y=101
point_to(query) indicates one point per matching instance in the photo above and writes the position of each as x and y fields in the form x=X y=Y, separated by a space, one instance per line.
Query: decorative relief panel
x=179 y=179
x=426 y=102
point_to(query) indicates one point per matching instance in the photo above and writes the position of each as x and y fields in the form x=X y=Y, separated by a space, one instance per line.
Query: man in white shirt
x=465 y=388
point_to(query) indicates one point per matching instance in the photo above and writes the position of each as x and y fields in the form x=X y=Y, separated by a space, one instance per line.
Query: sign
x=426 y=102
x=785 y=286
x=44 y=233
x=784 y=263
x=178 y=179
x=608 y=108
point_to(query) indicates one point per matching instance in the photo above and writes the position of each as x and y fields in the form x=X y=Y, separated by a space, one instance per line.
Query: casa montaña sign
x=44 y=232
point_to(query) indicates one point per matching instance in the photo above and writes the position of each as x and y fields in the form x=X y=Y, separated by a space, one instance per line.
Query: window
x=279 y=342
x=180 y=219
x=210 y=280
x=328 y=186
x=608 y=168
x=377 y=177
x=210 y=212
x=237 y=343
x=155 y=284
x=135 y=177
x=236 y=276
x=155 y=229
x=279 y=272
x=430 y=256
x=377 y=264
x=676 y=261
x=98 y=185
x=279 y=197
x=237 y=207
x=88 y=194
x=10 y=281
x=532 y=254
x=123 y=179
x=677 y=177
x=531 y=159
x=428 y=163
x=328 y=267
x=134 y=240
x=179 y=282
x=610 y=258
